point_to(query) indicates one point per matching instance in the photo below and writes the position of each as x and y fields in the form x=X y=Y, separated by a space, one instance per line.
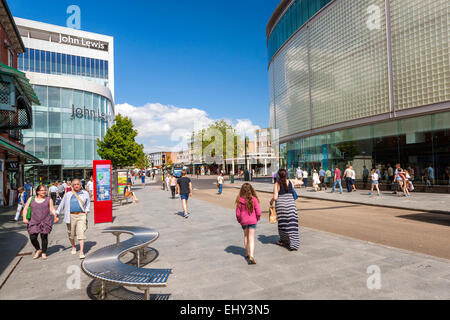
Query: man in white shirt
x=53 y=192
x=90 y=187
x=220 y=181
x=348 y=178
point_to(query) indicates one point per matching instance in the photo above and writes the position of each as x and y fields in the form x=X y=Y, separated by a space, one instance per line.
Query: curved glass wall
x=296 y=15
x=416 y=143
x=66 y=126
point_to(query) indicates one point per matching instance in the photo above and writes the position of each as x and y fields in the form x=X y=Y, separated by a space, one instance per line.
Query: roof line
x=277 y=13
x=16 y=30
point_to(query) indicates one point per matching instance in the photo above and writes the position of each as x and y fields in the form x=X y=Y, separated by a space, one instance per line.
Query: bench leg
x=138 y=258
x=103 y=291
x=147 y=294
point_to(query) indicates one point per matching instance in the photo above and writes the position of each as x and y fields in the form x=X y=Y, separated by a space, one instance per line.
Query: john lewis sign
x=89 y=114
x=83 y=42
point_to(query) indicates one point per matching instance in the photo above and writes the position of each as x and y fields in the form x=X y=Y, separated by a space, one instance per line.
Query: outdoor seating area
x=105 y=265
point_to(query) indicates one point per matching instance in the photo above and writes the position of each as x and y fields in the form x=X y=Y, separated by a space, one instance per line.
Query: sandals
x=37 y=254
x=44 y=256
x=280 y=243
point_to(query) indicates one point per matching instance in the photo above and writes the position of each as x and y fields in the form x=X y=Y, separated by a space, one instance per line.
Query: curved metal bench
x=105 y=265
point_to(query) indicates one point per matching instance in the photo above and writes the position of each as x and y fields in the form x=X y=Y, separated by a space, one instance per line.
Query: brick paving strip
x=430 y=202
x=207 y=255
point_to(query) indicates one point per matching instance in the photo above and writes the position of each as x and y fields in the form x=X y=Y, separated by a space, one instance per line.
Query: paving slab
x=207 y=255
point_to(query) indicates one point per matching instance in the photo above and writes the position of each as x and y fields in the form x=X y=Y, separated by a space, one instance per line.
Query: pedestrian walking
x=41 y=221
x=184 y=189
x=61 y=191
x=167 y=179
x=322 y=175
x=220 y=180
x=54 y=192
x=337 y=179
x=173 y=185
x=76 y=207
x=365 y=177
x=305 y=178
x=375 y=182
x=90 y=186
x=248 y=213
x=348 y=178
x=163 y=182
x=404 y=182
x=83 y=184
x=143 y=179
x=316 y=180
x=286 y=211
x=21 y=203
x=398 y=181
x=69 y=186
x=328 y=177
x=353 y=178
x=28 y=188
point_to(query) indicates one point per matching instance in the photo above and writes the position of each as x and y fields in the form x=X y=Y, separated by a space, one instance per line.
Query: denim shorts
x=250 y=226
x=184 y=196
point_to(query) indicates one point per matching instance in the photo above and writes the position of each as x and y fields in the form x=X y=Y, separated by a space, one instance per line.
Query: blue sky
x=205 y=56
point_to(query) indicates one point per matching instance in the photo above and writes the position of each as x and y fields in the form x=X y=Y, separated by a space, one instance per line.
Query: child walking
x=248 y=213
x=375 y=178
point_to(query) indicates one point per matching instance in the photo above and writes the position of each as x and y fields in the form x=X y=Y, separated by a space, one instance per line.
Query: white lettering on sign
x=75 y=41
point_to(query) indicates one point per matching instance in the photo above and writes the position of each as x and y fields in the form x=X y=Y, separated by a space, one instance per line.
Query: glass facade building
x=365 y=83
x=75 y=86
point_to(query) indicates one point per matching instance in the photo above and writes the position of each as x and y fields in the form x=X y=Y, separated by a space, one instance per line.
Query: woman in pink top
x=248 y=213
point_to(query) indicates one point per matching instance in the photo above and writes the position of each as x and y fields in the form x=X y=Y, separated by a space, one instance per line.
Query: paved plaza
x=207 y=255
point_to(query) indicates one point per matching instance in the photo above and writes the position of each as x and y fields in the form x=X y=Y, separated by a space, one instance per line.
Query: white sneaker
x=74 y=251
x=82 y=256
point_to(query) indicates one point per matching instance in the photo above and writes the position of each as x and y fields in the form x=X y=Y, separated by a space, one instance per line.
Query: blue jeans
x=220 y=188
x=339 y=183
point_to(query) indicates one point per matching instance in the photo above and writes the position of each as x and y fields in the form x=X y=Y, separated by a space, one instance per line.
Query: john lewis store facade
x=72 y=73
x=364 y=82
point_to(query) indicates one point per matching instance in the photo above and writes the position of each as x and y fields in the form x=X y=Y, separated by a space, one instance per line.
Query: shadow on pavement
x=268 y=239
x=11 y=243
x=442 y=219
x=117 y=292
x=180 y=213
x=240 y=251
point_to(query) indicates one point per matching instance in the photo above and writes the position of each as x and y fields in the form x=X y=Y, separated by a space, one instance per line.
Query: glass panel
x=96 y=102
x=97 y=68
x=78 y=99
x=106 y=70
x=54 y=122
x=78 y=127
x=78 y=66
x=29 y=145
x=41 y=66
x=67 y=123
x=66 y=98
x=73 y=65
x=88 y=67
x=20 y=62
x=100 y=68
x=47 y=62
x=40 y=121
x=41 y=148
x=54 y=97
x=79 y=149
x=26 y=60
x=64 y=63
x=83 y=66
x=31 y=66
x=89 y=150
x=41 y=92
x=88 y=100
x=53 y=64
x=67 y=149
x=58 y=63
x=54 y=148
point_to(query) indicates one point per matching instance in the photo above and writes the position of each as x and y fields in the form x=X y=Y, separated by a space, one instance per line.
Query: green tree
x=208 y=136
x=119 y=144
x=143 y=162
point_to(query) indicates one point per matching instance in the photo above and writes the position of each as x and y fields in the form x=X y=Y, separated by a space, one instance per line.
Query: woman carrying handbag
x=286 y=211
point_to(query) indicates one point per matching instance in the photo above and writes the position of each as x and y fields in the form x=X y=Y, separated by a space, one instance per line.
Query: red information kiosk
x=102 y=191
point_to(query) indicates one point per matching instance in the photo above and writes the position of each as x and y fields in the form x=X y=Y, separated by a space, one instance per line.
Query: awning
x=29 y=158
x=22 y=80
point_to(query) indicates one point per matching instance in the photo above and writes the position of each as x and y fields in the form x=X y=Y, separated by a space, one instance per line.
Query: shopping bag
x=273 y=218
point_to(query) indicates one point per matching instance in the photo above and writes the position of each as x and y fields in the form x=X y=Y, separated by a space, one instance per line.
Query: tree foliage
x=119 y=144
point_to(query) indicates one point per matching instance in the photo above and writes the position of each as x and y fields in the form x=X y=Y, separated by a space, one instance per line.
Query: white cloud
x=162 y=125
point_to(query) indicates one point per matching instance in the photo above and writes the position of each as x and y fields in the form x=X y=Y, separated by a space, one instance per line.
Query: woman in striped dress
x=286 y=212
